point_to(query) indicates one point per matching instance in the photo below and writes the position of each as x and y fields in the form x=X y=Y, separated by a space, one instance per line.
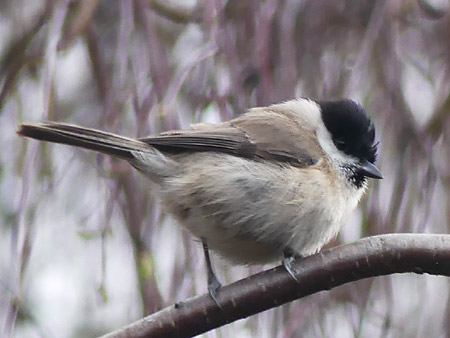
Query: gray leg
x=213 y=282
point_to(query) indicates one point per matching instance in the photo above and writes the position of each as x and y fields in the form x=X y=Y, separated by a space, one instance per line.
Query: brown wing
x=257 y=134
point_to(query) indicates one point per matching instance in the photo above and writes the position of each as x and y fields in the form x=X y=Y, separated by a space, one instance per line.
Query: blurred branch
x=369 y=257
x=158 y=56
x=18 y=46
x=365 y=53
x=431 y=10
x=435 y=127
x=85 y=10
x=135 y=208
x=16 y=58
x=177 y=15
x=99 y=68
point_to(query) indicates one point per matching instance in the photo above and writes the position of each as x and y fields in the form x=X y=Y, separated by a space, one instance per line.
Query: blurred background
x=84 y=247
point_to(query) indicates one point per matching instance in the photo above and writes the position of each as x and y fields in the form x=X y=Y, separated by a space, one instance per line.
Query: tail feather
x=84 y=137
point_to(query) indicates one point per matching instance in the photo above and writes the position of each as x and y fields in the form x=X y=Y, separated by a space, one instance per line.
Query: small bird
x=275 y=183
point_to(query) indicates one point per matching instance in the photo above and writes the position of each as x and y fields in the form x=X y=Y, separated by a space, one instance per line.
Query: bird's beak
x=370 y=170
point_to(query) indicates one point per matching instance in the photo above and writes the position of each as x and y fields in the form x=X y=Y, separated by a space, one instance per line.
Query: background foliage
x=84 y=248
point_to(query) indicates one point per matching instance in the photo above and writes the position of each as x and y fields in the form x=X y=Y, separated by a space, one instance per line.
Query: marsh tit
x=274 y=183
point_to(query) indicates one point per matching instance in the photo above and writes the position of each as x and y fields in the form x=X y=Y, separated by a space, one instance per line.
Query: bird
x=274 y=183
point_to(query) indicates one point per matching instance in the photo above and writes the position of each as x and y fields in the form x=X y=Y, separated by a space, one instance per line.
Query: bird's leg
x=289 y=256
x=213 y=282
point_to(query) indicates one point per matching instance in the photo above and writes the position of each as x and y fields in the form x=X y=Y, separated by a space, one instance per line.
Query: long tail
x=93 y=139
x=141 y=155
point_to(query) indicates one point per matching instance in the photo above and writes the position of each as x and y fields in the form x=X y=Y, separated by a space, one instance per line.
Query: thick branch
x=369 y=257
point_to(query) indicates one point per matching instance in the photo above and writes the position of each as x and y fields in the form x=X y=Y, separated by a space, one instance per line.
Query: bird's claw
x=289 y=256
x=213 y=286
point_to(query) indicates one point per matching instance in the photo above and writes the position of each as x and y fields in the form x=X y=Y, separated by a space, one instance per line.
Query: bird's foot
x=213 y=286
x=289 y=256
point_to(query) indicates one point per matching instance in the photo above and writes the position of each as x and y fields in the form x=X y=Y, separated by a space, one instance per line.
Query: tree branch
x=369 y=257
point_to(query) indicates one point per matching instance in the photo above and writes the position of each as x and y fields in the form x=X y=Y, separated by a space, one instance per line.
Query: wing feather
x=258 y=134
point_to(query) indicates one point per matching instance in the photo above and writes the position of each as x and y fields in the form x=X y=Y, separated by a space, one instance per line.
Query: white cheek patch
x=309 y=111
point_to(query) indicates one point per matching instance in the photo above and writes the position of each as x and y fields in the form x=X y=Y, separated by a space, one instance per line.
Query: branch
x=369 y=257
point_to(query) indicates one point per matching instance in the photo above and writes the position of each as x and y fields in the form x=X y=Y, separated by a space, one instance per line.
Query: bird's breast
x=249 y=211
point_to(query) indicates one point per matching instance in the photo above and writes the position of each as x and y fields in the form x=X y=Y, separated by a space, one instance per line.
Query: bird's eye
x=340 y=144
